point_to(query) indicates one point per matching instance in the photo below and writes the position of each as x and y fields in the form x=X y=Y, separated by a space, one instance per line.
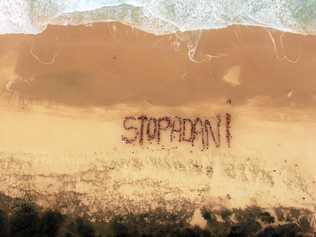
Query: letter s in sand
x=130 y=128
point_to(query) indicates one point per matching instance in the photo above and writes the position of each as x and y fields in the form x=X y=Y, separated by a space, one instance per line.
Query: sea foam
x=159 y=16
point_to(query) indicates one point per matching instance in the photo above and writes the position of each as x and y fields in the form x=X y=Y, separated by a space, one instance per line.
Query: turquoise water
x=159 y=16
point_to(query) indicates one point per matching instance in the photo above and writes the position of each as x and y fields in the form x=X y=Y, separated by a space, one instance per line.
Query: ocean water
x=159 y=16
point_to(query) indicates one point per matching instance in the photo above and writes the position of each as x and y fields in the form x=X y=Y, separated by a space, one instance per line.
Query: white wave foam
x=15 y=17
x=159 y=16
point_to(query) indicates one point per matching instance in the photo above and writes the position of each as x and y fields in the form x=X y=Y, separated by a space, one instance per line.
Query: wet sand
x=107 y=64
x=86 y=80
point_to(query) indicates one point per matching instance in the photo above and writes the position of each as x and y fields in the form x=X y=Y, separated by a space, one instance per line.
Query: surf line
x=196 y=131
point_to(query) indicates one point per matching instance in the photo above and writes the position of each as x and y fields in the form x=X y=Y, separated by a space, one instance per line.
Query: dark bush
x=50 y=223
x=24 y=221
x=286 y=230
x=4 y=223
x=84 y=228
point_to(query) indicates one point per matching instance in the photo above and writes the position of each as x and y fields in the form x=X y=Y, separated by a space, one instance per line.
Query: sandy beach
x=66 y=136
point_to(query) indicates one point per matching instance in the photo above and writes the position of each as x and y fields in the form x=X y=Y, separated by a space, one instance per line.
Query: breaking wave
x=159 y=16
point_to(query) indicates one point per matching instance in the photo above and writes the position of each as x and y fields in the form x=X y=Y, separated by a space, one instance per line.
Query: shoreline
x=223 y=69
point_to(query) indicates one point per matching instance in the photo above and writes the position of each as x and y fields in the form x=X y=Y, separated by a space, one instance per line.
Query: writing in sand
x=196 y=131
